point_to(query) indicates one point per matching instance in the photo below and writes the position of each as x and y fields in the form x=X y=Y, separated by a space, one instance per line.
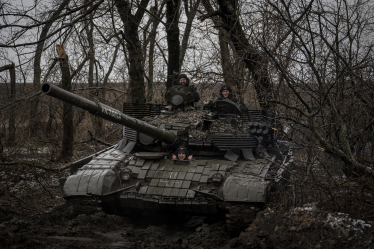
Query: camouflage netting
x=196 y=119
x=221 y=126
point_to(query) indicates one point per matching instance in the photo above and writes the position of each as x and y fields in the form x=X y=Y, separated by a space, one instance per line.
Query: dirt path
x=305 y=227
x=60 y=229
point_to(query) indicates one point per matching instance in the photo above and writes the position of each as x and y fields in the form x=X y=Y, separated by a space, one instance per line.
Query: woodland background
x=307 y=64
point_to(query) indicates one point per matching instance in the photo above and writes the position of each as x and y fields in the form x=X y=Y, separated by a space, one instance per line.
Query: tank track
x=239 y=217
x=78 y=206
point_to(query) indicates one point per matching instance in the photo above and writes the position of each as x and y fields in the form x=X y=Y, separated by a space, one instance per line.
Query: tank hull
x=165 y=184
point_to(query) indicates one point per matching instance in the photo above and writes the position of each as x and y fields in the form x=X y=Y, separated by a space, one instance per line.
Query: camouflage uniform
x=192 y=88
x=231 y=97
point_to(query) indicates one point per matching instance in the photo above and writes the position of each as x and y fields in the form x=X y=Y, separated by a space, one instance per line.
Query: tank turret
x=180 y=98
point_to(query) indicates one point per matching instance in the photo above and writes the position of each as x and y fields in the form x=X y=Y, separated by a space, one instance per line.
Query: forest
x=306 y=65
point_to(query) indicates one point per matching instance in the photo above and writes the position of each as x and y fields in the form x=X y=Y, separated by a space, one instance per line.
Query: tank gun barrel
x=108 y=113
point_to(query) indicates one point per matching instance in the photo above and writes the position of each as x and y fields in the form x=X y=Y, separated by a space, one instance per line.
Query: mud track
x=63 y=227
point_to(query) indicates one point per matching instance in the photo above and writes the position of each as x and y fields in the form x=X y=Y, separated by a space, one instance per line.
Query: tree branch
x=18 y=100
x=33 y=165
x=93 y=7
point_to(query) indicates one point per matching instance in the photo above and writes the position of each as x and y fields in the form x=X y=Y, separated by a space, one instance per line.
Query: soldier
x=182 y=154
x=226 y=93
x=185 y=81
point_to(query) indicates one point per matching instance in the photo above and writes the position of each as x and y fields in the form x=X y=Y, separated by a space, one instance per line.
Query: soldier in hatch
x=185 y=81
x=182 y=154
x=226 y=93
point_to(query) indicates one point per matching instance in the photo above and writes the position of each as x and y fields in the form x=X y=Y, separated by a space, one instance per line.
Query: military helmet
x=183 y=76
x=225 y=87
x=182 y=149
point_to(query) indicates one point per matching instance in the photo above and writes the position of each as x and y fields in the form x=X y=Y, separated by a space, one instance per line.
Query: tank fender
x=91 y=182
x=244 y=188
x=98 y=177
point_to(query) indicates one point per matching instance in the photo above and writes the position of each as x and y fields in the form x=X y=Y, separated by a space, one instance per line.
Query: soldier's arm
x=197 y=96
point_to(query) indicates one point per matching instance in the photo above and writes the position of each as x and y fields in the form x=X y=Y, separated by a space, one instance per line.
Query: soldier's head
x=183 y=80
x=225 y=91
x=182 y=153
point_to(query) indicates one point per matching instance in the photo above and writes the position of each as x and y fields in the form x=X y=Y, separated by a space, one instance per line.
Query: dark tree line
x=309 y=64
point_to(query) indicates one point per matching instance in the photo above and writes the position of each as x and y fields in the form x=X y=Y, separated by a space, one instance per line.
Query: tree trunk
x=136 y=70
x=135 y=52
x=152 y=42
x=105 y=82
x=224 y=40
x=34 y=119
x=12 y=119
x=233 y=69
x=11 y=122
x=50 y=118
x=172 y=31
x=190 y=13
x=67 y=116
x=254 y=59
x=226 y=63
x=91 y=56
x=89 y=27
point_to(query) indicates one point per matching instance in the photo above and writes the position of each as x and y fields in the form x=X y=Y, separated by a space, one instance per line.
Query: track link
x=83 y=206
x=239 y=217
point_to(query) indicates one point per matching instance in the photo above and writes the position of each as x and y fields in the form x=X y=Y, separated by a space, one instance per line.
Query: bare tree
x=34 y=121
x=228 y=65
x=172 y=30
x=155 y=19
x=254 y=59
x=190 y=7
x=67 y=114
x=131 y=24
x=11 y=124
x=327 y=76
x=89 y=29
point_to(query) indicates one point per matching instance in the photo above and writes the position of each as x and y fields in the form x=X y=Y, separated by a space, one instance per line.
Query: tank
x=236 y=159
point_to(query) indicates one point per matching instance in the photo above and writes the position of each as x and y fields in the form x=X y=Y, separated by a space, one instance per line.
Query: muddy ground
x=63 y=227
x=33 y=214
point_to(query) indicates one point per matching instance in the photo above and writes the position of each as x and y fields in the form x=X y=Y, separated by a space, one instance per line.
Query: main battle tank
x=236 y=158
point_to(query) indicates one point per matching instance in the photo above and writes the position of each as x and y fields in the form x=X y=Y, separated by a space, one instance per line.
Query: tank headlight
x=207 y=104
x=208 y=101
x=125 y=174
